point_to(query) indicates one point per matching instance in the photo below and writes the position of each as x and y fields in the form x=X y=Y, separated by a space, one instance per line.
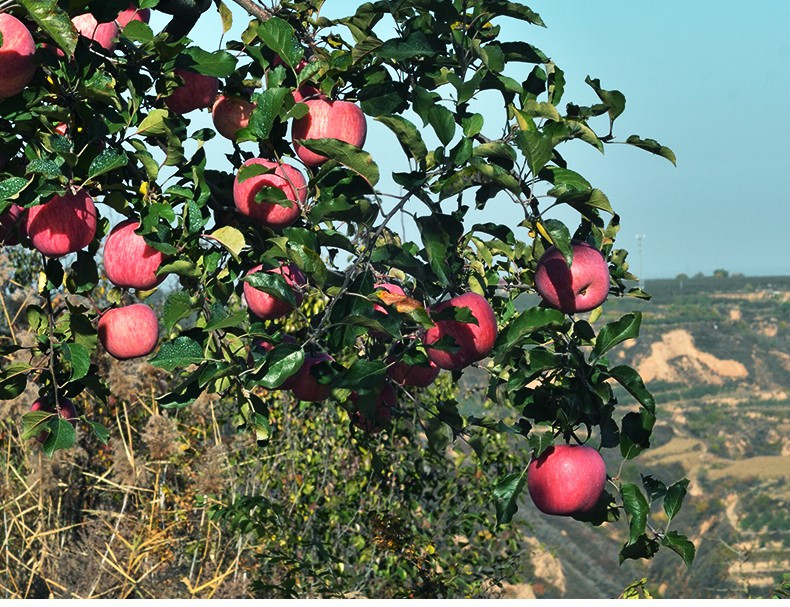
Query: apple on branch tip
x=129 y=332
x=104 y=34
x=272 y=215
x=417 y=376
x=230 y=114
x=197 y=91
x=303 y=383
x=12 y=225
x=129 y=261
x=474 y=341
x=133 y=14
x=327 y=119
x=67 y=411
x=266 y=306
x=579 y=288
x=566 y=479
x=65 y=224
x=16 y=56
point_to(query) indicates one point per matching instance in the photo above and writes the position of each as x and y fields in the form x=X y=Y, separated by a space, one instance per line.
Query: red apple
x=16 y=56
x=129 y=332
x=269 y=214
x=67 y=411
x=566 y=479
x=267 y=306
x=129 y=261
x=230 y=114
x=419 y=376
x=198 y=91
x=328 y=119
x=105 y=34
x=62 y=129
x=474 y=340
x=306 y=92
x=63 y=225
x=12 y=225
x=385 y=400
x=581 y=288
x=304 y=385
x=133 y=14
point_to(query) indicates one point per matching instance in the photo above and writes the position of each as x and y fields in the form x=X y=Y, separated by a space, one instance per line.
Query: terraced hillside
x=716 y=354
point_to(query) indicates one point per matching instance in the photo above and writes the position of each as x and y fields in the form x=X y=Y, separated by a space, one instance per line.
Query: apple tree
x=288 y=275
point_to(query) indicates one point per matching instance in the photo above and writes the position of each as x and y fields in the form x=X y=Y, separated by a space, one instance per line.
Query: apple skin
x=328 y=119
x=231 y=114
x=12 y=225
x=133 y=14
x=16 y=56
x=418 y=376
x=129 y=332
x=129 y=261
x=67 y=411
x=384 y=403
x=475 y=340
x=270 y=215
x=307 y=92
x=65 y=224
x=566 y=479
x=268 y=307
x=105 y=34
x=302 y=383
x=198 y=91
x=581 y=288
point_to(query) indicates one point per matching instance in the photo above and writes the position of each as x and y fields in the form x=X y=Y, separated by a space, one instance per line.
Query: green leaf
x=154 y=123
x=54 y=21
x=443 y=122
x=34 y=423
x=107 y=161
x=400 y=49
x=635 y=431
x=346 y=154
x=652 y=146
x=506 y=494
x=540 y=442
x=681 y=545
x=515 y=10
x=234 y=320
x=11 y=187
x=181 y=352
x=282 y=363
x=61 y=436
x=654 y=487
x=440 y=235
x=47 y=168
x=472 y=125
x=99 y=431
x=643 y=548
x=614 y=100
x=536 y=147
x=267 y=108
x=79 y=358
x=408 y=136
x=617 y=332
x=226 y=15
x=631 y=381
x=637 y=509
x=231 y=239
x=13 y=380
x=526 y=322
x=273 y=284
x=219 y=64
x=673 y=500
x=582 y=199
x=560 y=237
x=177 y=306
x=279 y=36
x=363 y=375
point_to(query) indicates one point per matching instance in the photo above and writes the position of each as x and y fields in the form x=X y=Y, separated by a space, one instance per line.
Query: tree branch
x=254 y=9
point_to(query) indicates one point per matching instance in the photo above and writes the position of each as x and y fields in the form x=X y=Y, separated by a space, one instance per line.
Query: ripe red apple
x=474 y=340
x=566 y=479
x=67 y=411
x=105 y=34
x=133 y=14
x=16 y=56
x=230 y=114
x=267 y=306
x=129 y=261
x=198 y=91
x=65 y=224
x=328 y=119
x=129 y=332
x=269 y=214
x=581 y=288
x=419 y=376
x=12 y=225
x=304 y=385
x=385 y=400
x=307 y=92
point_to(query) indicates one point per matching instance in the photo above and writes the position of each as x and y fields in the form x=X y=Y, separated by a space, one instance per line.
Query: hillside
x=716 y=354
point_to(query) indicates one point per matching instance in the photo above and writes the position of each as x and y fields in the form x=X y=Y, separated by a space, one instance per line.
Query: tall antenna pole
x=639 y=239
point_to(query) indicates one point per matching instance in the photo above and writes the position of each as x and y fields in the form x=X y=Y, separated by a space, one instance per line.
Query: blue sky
x=710 y=79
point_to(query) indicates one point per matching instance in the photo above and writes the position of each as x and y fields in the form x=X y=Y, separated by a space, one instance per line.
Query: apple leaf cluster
x=300 y=219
